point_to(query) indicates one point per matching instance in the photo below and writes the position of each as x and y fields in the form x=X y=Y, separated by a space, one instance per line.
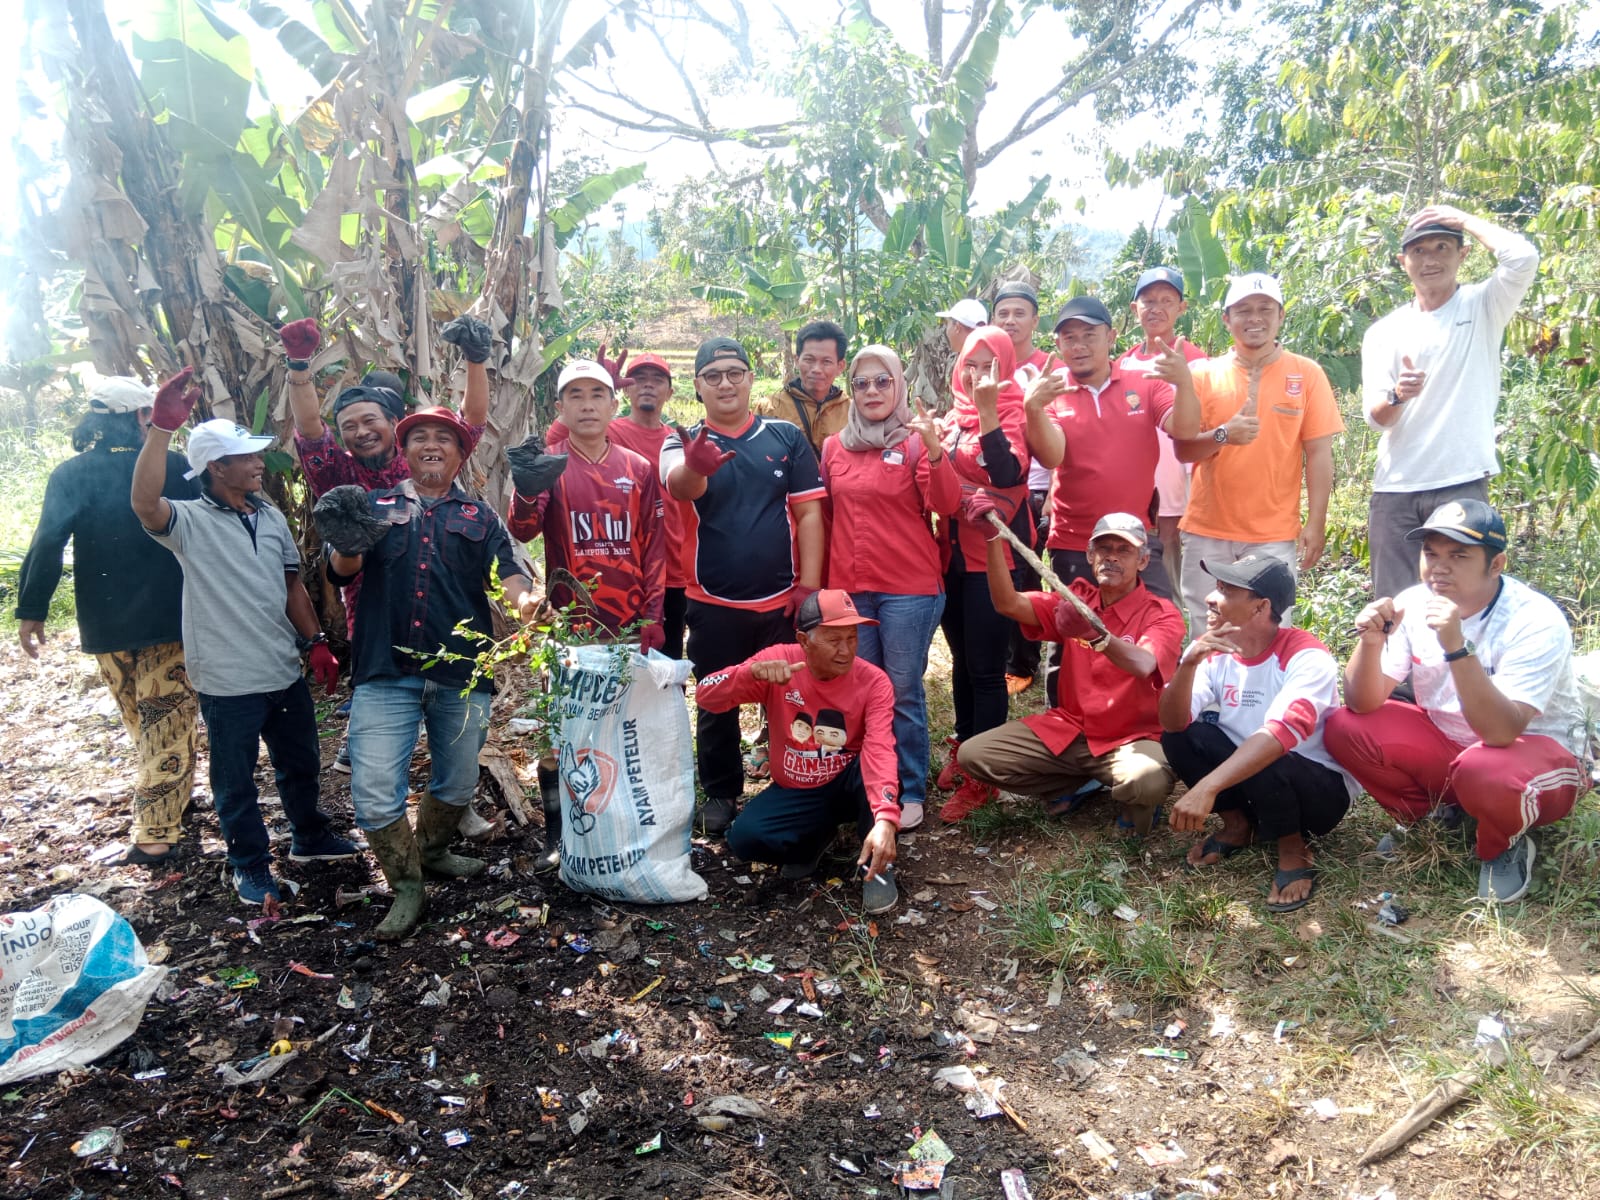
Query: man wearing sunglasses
x=751 y=501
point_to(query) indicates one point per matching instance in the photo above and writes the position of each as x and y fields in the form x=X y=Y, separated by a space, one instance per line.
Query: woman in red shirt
x=887 y=475
x=986 y=437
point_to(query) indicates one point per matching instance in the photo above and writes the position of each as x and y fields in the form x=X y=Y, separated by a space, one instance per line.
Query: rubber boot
x=550 y=800
x=396 y=851
x=436 y=828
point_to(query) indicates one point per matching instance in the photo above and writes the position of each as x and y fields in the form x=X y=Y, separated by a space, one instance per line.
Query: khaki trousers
x=1013 y=759
x=158 y=709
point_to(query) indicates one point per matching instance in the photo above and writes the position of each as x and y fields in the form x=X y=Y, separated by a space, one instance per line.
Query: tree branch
x=975 y=20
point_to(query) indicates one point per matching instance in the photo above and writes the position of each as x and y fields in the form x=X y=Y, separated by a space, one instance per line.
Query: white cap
x=218 y=438
x=121 y=394
x=1253 y=284
x=583 y=368
x=970 y=313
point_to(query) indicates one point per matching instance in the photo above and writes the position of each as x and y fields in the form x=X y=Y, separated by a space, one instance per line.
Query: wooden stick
x=1578 y=1047
x=1050 y=578
x=1446 y=1096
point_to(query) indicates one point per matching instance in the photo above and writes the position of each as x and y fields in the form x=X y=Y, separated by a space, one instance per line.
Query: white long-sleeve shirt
x=1445 y=435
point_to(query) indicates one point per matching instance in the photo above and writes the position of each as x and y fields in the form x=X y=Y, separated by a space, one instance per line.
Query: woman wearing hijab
x=887 y=475
x=985 y=436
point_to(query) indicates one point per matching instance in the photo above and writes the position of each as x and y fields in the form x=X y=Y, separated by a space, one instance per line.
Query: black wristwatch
x=1219 y=435
x=298 y=364
x=1394 y=399
x=1458 y=655
x=303 y=644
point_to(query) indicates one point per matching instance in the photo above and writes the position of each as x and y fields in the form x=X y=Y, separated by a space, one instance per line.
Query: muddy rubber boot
x=396 y=851
x=436 y=828
x=550 y=800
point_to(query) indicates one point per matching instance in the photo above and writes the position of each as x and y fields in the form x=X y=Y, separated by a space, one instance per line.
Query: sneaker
x=911 y=815
x=1447 y=817
x=1017 y=684
x=1505 y=878
x=951 y=775
x=801 y=870
x=879 y=894
x=327 y=847
x=344 y=709
x=717 y=813
x=968 y=799
x=254 y=884
x=341 y=764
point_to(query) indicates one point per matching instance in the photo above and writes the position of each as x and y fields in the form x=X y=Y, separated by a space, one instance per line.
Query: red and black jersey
x=602 y=524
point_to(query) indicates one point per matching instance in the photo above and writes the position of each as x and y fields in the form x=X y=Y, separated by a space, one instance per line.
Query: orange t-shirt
x=1252 y=493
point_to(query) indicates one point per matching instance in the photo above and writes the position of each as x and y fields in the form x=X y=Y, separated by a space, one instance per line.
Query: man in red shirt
x=601 y=518
x=1105 y=727
x=841 y=769
x=1157 y=304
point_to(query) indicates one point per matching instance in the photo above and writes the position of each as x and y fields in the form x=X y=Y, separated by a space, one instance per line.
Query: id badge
x=894 y=457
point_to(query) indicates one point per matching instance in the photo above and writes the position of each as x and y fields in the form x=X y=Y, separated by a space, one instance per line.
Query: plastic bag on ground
x=627 y=776
x=74 y=982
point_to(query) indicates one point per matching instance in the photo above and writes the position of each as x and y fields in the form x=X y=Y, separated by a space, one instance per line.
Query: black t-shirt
x=739 y=545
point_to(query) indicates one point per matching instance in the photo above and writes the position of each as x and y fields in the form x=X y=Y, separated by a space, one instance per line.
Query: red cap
x=831 y=606
x=433 y=416
x=647 y=360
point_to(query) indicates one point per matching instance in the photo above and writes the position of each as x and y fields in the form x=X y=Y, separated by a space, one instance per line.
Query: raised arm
x=174 y=402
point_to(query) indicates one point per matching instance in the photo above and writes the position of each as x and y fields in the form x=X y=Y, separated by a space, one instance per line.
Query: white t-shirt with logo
x=1524 y=644
x=1288 y=691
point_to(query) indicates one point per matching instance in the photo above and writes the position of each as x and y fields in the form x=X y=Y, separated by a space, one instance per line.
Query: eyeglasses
x=862 y=383
x=734 y=375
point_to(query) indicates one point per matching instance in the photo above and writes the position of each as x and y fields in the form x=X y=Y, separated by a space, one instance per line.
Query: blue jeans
x=236 y=726
x=899 y=644
x=385 y=715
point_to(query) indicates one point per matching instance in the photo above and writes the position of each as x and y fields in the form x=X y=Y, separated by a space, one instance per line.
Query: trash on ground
x=1014 y=1184
x=1490 y=1031
x=1325 y=1108
x=922 y=1169
x=1160 y=1154
x=1079 y=1066
x=649 y=1147
x=105 y=1140
x=1165 y=1052
x=1102 y=1151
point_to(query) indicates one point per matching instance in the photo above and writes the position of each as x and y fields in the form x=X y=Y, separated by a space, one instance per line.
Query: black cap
x=718 y=347
x=385 y=398
x=1083 y=308
x=1267 y=577
x=1415 y=232
x=1016 y=290
x=1471 y=522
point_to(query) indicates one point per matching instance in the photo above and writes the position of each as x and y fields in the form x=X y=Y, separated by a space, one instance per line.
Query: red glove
x=980 y=503
x=652 y=637
x=1070 y=623
x=700 y=454
x=300 y=340
x=613 y=365
x=174 y=402
x=324 y=667
x=798 y=595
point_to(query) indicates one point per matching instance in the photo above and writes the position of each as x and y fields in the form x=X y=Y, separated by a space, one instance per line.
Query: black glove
x=345 y=520
x=471 y=335
x=532 y=470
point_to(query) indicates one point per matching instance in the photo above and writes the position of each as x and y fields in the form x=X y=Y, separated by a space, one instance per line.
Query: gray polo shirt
x=237 y=638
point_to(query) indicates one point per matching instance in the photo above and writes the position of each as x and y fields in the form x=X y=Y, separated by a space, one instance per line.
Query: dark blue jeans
x=790 y=825
x=236 y=726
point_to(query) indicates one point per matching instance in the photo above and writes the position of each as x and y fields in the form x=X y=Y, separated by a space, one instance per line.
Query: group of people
x=802 y=550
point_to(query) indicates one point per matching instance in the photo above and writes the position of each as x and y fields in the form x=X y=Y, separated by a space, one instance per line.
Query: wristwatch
x=1100 y=643
x=1219 y=435
x=305 y=643
x=1458 y=655
x=1394 y=399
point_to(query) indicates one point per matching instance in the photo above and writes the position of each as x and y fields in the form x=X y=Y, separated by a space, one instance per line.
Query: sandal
x=136 y=857
x=1063 y=806
x=1214 y=845
x=1282 y=879
x=757 y=764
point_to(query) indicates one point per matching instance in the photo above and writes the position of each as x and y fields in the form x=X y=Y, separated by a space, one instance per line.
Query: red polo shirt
x=1110 y=465
x=881 y=538
x=1097 y=697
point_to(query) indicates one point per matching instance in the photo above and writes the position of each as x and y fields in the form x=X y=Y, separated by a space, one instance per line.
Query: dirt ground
x=586 y=1050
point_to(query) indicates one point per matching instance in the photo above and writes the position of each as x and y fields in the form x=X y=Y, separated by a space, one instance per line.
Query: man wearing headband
x=813 y=399
x=1498 y=729
x=128 y=600
x=1430 y=380
x=246 y=620
x=844 y=773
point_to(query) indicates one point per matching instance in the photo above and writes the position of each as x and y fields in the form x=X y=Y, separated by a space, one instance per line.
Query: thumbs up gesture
x=1408 y=386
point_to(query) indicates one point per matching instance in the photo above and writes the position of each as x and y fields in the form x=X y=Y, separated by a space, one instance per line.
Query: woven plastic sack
x=627 y=776
x=74 y=982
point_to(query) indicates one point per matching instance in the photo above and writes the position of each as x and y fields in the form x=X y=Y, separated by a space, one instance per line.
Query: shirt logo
x=1230 y=695
x=793 y=696
x=623 y=483
x=1133 y=401
x=1294 y=386
x=469 y=510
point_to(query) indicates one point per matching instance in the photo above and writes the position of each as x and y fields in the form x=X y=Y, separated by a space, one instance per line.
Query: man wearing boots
x=426 y=572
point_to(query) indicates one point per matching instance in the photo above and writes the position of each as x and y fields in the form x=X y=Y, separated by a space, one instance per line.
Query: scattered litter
x=1325 y=1108
x=1393 y=914
x=1078 y=1066
x=157 y=1073
x=648 y=988
x=1165 y=1052
x=809 y=1010
x=649 y=1147
x=439 y=995
x=1221 y=1025
x=781 y=1005
x=872 y=1112
x=1102 y=1151
x=577 y=943
x=1125 y=912
x=457 y=1137
x=1176 y=1029
x=960 y=1078
x=589 y=1098
x=982 y=1028
x=256 y=1070
x=984 y=902
x=844 y=1164
x=1058 y=984
x=1014 y=1184
x=1161 y=1154
x=759 y=995
x=1490 y=1031
x=984 y=1101
x=735 y=1106
x=577 y=1123
x=238 y=978
x=299 y=968
x=784 y=1038
x=744 y=962
x=105 y=1140
x=922 y=1169
x=1284 y=1027
x=501 y=938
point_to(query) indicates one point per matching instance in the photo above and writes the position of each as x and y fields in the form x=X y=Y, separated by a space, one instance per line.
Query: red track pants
x=1408 y=765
